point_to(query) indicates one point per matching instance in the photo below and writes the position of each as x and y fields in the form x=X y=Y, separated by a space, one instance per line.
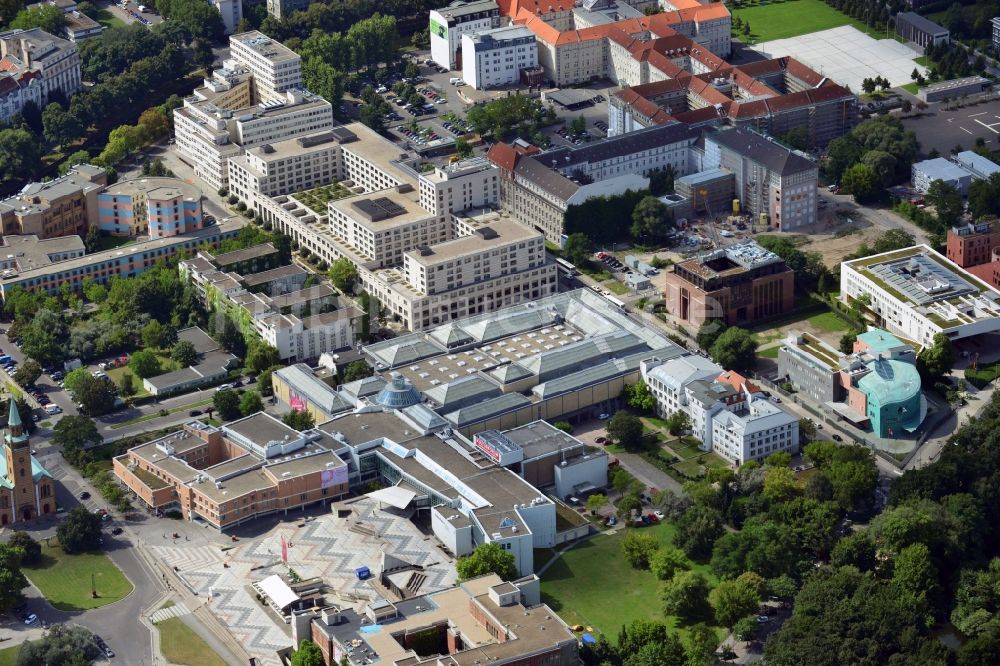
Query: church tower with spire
x=27 y=489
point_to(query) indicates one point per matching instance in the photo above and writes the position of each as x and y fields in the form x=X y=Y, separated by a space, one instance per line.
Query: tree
x=780 y=484
x=745 y=628
x=144 y=363
x=251 y=403
x=847 y=341
x=184 y=353
x=262 y=356
x=60 y=126
x=75 y=434
x=666 y=562
x=627 y=507
x=299 y=420
x=596 y=502
x=807 y=430
x=937 y=360
x=709 y=332
x=44 y=338
x=487 y=558
x=80 y=531
x=97 y=395
x=227 y=403
x=639 y=397
x=357 y=370
x=155 y=335
x=861 y=181
x=9 y=9
x=697 y=530
x=638 y=548
x=463 y=148
x=565 y=426
x=733 y=599
x=686 y=596
x=47 y=17
x=31 y=550
x=61 y=645
x=947 y=202
x=28 y=373
x=882 y=164
x=343 y=274
x=127 y=385
x=915 y=573
x=20 y=154
x=678 y=422
x=577 y=249
x=735 y=350
x=651 y=218
x=778 y=459
x=626 y=430
x=308 y=654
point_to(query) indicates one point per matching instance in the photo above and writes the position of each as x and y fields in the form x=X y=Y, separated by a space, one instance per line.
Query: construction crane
x=714 y=233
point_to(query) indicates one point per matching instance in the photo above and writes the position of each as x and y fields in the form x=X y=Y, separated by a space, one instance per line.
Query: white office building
x=35 y=54
x=755 y=431
x=449 y=24
x=495 y=58
x=231 y=11
x=917 y=293
x=285 y=167
x=275 y=67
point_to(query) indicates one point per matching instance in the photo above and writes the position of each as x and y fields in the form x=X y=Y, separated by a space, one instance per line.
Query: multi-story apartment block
x=288 y=166
x=972 y=244
x=275 y=67
x=273 y=304
x=282 y=8
x=916 y=293
x=231 y=11
x=728 y=414
x=35 y=55
x=538 y=188
x=772 y=182
x=208 y=136
x=59 y=207
x=126 y=261
x=449 y=24
x=157 y=207
x=739 y=284
x=495 y=58
x=466 y=185
x=23 y=253
x=499 y=264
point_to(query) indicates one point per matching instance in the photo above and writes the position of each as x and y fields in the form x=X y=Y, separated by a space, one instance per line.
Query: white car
x=224 y=387
x=604 y=417
x=659 y=515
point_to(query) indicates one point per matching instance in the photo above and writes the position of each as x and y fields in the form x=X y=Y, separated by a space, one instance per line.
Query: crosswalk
x=166 y=613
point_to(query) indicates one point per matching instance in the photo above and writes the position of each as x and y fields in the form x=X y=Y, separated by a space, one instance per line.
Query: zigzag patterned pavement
x=167 y=613
x=324 y=547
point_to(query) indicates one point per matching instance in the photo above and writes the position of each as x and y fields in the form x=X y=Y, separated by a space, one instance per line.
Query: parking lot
x=942 y=130
x=128 y=11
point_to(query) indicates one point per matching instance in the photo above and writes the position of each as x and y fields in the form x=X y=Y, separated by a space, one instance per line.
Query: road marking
x=965 y=130
x=989 y=127
x=950 y=119
x=981 y=113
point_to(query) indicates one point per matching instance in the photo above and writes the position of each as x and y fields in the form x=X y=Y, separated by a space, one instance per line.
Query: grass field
x=828 y=321
x=770 y=352
x=791 y=18
x=615 y=287
x=593 y=585
x=180 y=645
x=685 y=450
x=65 y=579
x=167 y=364
x=8 y=656
x=911 y=88
x=106 y=18
x=696 y=466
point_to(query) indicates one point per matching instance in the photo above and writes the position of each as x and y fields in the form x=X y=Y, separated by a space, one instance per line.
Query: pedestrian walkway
x=166 y=613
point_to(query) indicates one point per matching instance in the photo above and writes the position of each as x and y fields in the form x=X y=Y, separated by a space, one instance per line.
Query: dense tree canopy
x=487 y=558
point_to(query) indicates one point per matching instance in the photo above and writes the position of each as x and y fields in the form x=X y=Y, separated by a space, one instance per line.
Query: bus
x=566 y=269
x=618 y=303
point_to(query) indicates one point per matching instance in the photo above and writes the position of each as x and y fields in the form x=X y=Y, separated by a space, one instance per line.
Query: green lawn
x=180 y=645
x=828 y=322
x=770 y=352
x=911 y=88
x=593 y=585
x=685 y=450
x=167 y=364
x=791 y=18
x=8 y=656
x=615 y=287
x=106 y=18
x=696 y=467
x=65 y=579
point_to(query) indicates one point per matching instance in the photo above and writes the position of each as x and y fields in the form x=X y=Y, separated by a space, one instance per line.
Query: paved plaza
x=848 y=56
x=328 y=546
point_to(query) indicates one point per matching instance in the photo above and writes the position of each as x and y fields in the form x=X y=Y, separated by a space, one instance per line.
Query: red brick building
x=976 y=248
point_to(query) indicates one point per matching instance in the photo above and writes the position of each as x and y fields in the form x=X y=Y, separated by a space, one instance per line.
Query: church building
x=27 y=490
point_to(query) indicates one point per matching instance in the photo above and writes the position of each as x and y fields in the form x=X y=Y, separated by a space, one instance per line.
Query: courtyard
x=847 y=55
x=329 y=546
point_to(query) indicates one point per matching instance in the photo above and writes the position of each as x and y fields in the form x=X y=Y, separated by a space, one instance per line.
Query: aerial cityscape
x=499 y=332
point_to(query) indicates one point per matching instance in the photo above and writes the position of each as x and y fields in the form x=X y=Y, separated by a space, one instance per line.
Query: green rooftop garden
x=318 y=198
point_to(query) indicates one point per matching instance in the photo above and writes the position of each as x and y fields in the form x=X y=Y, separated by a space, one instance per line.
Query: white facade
x=209 y=136
x=53 y=60
x=275 y=67
x=956 y=303
x=448 y=24
x=495 y=58
x=755 y=432
x=286 y=167
x=231 y=11
x=667 y=381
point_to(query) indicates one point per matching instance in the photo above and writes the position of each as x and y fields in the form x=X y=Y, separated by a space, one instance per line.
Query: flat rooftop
x=255 y=252
x=30 y=252
x=500 y=233
x=265 y=47
x=155 y=187
x=385 y=209
x=281 y=272
x=261 y=429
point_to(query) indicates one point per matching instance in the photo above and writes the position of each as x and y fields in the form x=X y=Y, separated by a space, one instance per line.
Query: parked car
x=31 y=619
x=838 y=438
x=85 y=495
x=116 y=531
x=194 y=412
